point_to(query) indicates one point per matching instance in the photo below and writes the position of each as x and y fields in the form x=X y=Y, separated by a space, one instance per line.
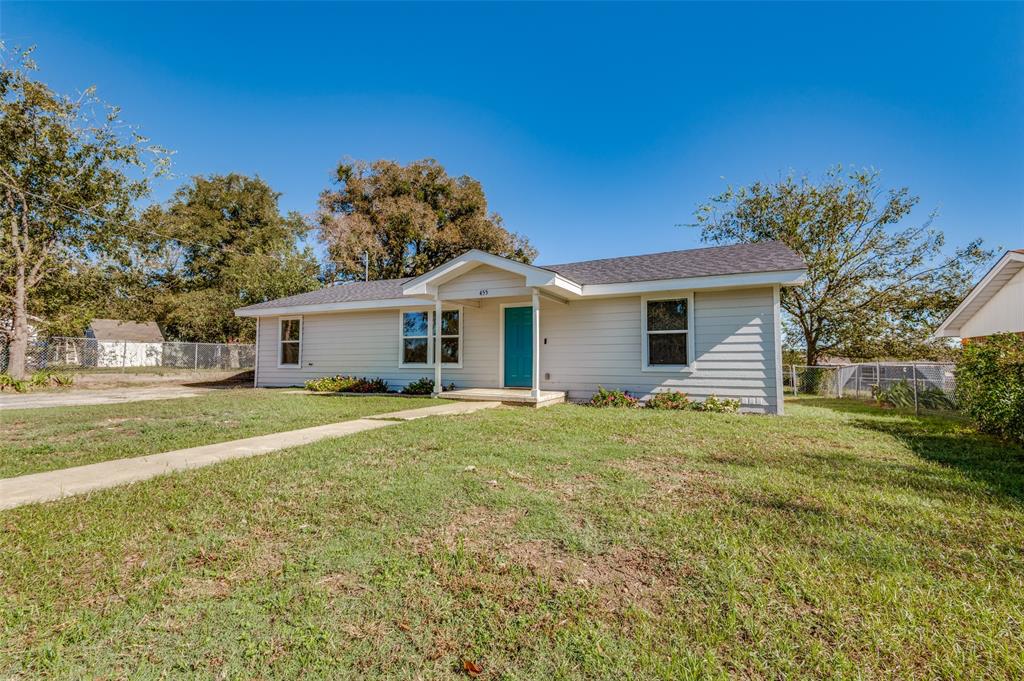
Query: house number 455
x=484 y=292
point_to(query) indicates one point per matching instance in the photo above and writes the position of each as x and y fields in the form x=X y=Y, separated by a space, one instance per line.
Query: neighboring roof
x=119 y=330
x=767 y=256
x=1002 y=272
x=764 y=257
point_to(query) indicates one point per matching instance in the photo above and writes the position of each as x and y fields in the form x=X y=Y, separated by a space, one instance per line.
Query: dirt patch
x=194 y=588
x=669 y=480
x=621 y=577
x=475 y=527
x=564 y=489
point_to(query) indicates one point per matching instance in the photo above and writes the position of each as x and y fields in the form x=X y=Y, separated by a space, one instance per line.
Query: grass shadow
x=946 y=439
x=241 y=379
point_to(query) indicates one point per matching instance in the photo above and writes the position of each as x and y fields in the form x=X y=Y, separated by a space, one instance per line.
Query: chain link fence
x=90 y=354
x=931 y=385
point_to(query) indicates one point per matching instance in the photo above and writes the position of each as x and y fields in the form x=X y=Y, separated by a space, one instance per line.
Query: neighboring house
x=125 y=344
x=994 y=305
x=702 y=321
x=35 y=324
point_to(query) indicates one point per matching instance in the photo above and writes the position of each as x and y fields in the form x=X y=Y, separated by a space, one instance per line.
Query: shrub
x=423 y=386
x=669 y=400
x=369 y=385
x=8 y=381
x=990 y=384
x=902 y=395
x=613 y=398
x=347 y=384
x=716 y=405
x=39 y=379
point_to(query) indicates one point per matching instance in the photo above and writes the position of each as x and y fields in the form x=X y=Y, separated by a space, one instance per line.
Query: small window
x=450 y=337
x=415 y=337
x=666 y=333
x=419 y=335
x=291 y=341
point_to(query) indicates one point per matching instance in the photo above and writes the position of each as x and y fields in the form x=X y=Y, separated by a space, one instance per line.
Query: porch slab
x=513 y=396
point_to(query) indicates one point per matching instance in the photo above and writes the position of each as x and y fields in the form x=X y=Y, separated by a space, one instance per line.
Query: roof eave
x=950 y=326
x=783 y=278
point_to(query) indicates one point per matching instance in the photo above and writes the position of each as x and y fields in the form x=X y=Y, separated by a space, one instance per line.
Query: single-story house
x=994 y=305
x=703 y=321
x=121 y=343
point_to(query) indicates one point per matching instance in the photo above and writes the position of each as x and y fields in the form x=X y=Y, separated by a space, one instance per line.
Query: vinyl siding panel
x=497 y=283
x=365 y=343
x=584 y=344
x=598 y=342
x=1004 y=312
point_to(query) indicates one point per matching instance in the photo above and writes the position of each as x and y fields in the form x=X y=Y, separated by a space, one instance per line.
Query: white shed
x=126 y=344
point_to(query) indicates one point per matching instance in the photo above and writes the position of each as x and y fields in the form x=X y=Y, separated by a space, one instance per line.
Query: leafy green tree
x=408 y=219
x=876 y=285
x=70 y=172
x=222 y=243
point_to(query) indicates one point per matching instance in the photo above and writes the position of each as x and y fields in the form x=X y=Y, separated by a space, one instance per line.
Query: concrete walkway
x=77 y=398
x=37 y=487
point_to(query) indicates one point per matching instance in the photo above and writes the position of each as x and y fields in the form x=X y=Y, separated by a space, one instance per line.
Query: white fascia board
x=785 y=278
x=388 y=303
x=947 y=329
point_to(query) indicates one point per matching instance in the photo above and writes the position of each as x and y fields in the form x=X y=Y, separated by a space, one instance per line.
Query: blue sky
x=595 y=129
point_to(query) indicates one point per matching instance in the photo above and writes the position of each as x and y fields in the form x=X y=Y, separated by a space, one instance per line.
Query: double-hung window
x=290 y=337
x=667 y=326
x=420 y=334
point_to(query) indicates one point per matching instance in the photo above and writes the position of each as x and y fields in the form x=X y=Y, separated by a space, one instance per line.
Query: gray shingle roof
x=350 y=292
x=769 y=256
x=119 y=330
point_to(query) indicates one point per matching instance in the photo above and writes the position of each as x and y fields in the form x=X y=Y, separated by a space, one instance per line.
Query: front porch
x=512 y=396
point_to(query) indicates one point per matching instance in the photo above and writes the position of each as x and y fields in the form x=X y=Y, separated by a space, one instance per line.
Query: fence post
x=859 y=377
x=917 y=409
x=124 y=354
x=195 y=360
x=792 y=373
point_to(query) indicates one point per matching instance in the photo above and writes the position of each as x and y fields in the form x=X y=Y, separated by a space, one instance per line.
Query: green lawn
x=36 y=440
x=840 y=541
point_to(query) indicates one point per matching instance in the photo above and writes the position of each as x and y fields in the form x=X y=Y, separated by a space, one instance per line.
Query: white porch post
x=437 y=346
x=536 y=344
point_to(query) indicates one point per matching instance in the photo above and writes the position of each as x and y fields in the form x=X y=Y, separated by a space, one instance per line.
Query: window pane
x=414 y=351
x=289 y=353
x=290 y=329
x=450 y=323
x=666 y=315
x=450 y=350
x=414 y=324
x=666 y=348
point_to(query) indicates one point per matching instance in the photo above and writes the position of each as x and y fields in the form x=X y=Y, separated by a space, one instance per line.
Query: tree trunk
x=19 y=329
x=812 y=351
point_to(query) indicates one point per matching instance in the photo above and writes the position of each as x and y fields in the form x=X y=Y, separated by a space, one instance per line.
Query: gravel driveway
x=72 y=398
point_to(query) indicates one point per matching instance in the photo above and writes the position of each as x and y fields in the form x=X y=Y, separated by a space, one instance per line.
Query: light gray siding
x=584 y=344
x=497 y=283
x=365 y=343
x=599 y=342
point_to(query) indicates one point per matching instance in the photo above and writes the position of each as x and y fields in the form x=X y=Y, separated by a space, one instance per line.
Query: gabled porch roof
x=539 y=277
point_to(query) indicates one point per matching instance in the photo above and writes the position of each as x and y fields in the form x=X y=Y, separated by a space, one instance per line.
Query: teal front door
x=518 y=347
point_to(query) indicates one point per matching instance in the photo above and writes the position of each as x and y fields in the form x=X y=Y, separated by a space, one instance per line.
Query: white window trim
x=280 y=341
x=402 y=364
x=690 y=344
